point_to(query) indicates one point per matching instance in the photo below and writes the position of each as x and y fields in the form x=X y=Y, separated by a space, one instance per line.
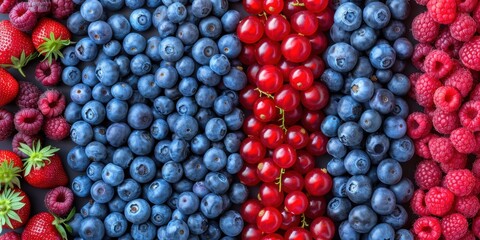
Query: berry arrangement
x=365 y=120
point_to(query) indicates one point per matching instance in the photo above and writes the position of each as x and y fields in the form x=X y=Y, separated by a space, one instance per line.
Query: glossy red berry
x=253 y=7
x=289 y=220
x=269 y=195
x=248 y=96
x=312 y=120
x=268 y=52
x=319 y=43
x=297 y=137
x=296 y=48
x=298 y=233
x=250 y=209
x=292 y=117
x=305 y=162
x=286 y=68
x=269 y=220
x=251 y=232
x=265 y=110
x=252 y=126
x=317 y=146
x=273 y=6
x=267 y=170
x=316 y=207
x=304 y=22
x=316 y=97
x=287 y=98
x=269 y=79
x=296 y=202
x=272 y=136
x=247 y=54
x=250 y=29
x=292 y=181
x=315 y=64
x=322 y=228
x=272 y=236
x=291 y=7
x=248 y=175
x=252 y=150
x=316 y=6
x=252 y=72
x=318 y=182
x=301 y=78
x=325 y=19
x=277 y=27
x=284 y=156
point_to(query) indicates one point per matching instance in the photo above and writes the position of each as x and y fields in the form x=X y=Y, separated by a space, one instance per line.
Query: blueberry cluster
x=155 y=120
x=366 y=119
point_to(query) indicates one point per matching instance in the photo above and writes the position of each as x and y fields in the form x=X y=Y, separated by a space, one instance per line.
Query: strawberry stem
x=61 y=224
x=36 y=155
x=10 y=201
x=52 y=46
x=18 y=64
x=9 y=175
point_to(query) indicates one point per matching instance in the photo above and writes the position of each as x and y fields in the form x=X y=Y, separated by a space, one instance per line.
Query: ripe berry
x=318 y=182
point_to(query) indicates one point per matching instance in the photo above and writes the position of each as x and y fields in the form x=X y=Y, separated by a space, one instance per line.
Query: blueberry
x=81 y=185
x=359 y=188
x=123 y=63
x=220 y=64
x=363 y=38
x=336 y=148
x=377 y=146
x=339 y=186
x=383 y=201
x=185 y=67
x=382 y=56
x=397 y=218
x=389 y=171
x=345 y=231
x=115 y=224
x=171 y=49
x=399 y=9
x=116 y=204
x=338 y=34
x=394 y=30
x=216 y=129
x=141 y=19
x=140 y=116
x=362 y=89
x=142 y=169
x=140 y=65
x=186 y=106
x=230 y=19
x=394 y=127
x=401 y=108
x=159 y=15
x=101 y=93
x=143 y=231
x=370 y=121
x=403 y=190
x=69 y=57
x=100 y=32
x=362 y=219
x=376 y=15
x=134 y=4
x=166 y=77
x=231 y=223
x=147 y=87
x=77 y=24
x=91 y=10
x=350 y=134
x=382 y=101
x=342 y=57
x=404 y=234
x=382 y=231
x=357 y=162
x=71 y=75
x=137 y=211
x=399 y=84
x=186 y=127
x=203 y=50
x=201 y=8
x=89 y=76
x=134 y=43
x=160 y=215
x=101 y=192
x=91 y=227
x=128 y=190
x=211 y=205
x=107 y=72
x=177 y=229
x=120 y=26
x=86 y=50
x=402 y=149
x=348 y=16
x=338 y=208
x=332 y=79
x=172 y=172
x=188 y=33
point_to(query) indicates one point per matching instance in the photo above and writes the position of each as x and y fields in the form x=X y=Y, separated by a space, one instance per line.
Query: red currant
x=304 y=22
x=317 y=146
x=318 y=182
x=292 y=181
x=269 y=220
x=247 y=54
x=248 y=96
x=286 y=68
x=315 y=64
x=269 y=79
x=252 y=72
x=316 y=207
x=248 y=175
x=322 y=228
x=284 y=156
x=250 y=209
x=319 y=43
x=250 y=29
x=264 y=109
x=292 y=117
x=269 y=195
x=316 y=97
x=267 y=170
x=325 y=19
x=251 y=232
x=287 y=98
x=296 y=202
x=296 y=48
x=272 y=236
x=252 y=126
x=301 y=78
x=273 y=6
x=253 y=7
x=252 y=150
x=297 y=137
x=268 y=52
x=305 y=162
x=289 y=220
x=316 y=6
x=291 y=7
x=272 y=136
x=312 y=120
x=298 y=233
x=277 y=27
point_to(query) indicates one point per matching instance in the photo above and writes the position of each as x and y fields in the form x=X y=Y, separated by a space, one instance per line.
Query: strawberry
x=44 y=226
x=10 y=169
x=49 y=37
x=43 y=167
x=16 y=47
x=15 y=208
x=8 y=86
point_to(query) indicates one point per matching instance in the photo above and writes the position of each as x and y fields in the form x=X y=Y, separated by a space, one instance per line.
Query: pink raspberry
x=454 y=226
x=428 y=174
x=59 y=201
x=427 y=228
x=476 y=226
x=448 y=44
x=39 y=6
x=463 y=28
x=413 y=80
x=476 y=16
x=469 y=115
x=463 y=140
x=6 y=124
x=23 y=138
x=439 y=201
x=466 y=6
x=28 y=121
x=442 y=11
x=445 y=122
x=425 y=89
x=7 y=5
x=62 y=8
x=475 y=94
x=470 y=53
x=22 y=18
x=460 y=182
x=51 y=103
x=420 y=52
x=424 y=28
x=468 y=206
x=461 y=79
x=421 y=146
x=56 y=128
x=28 y=95
x=447 y=98
x=48 y=74
x=438 y=63
x=421 y=2
x=418 y=125
x=458 y=161
x=417 y=203
x=441 y=149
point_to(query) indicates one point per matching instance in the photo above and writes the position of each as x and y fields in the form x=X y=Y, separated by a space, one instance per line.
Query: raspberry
x=441 y=149
x=11 y=236
x=475 y=93
x=425 y=89
x=418 y=125
x=56 y=128
x=463 y=28
x=468 y=206
x=62 y=8
x=463 y=140
x=22 y=138
x=6 y=124
x=51 y=103
x=413 y=80
x=458 y=161
x=460 y=182
x=439 y=201
x=421 y=146
x=428 y=174
x=445 y=122
x=438 y=63
x=442 y=11
x=48 y=74
x=469 y=236
x=461 y=79
x=417 y=203
x=466 y=6
x=427 y=228
x=454 y=226
x=476 y=16
x=424 y=28
x=39 y=6
x=421 y=2
x=476 y=189
x=28 y=95
x=22 y=18
x=448 y=44
x=59 y=201
x=447 y=98
x=420 y=51
x=7 y=5
x=28 y=121
x=476 y=226
x=476 y=167
x=470 y=54
x=469 y=115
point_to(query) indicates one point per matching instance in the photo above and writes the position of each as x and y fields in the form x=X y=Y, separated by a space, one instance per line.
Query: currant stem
x=279 y=180
x=304 y=221
x=263 y=14
x=282 y=119
x=297 y=3
x=264 y=93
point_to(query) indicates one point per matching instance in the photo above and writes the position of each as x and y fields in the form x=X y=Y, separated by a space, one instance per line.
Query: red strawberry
x=10 y=167
x=44 y=226
x=16 y=48
x=49 y=37
x=43 y=167
x=15 y=207
x=8 y=85
x=11 y=236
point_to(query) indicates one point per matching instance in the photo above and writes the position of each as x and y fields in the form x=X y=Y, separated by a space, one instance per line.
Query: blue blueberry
x=363 y=38
x=362 y=219
x=402 y=149
x=231 y=223
x=187 y=32
x=382 y=56
x=177 y=229
x=383 y=201
x=101 y=192
x=394 y=30
x=140 y=19
x=134 y=43
x=86 y=50
x=376 y=15
x=230 y=19
x=350 y=134
x=359 y=189
x=370 y=121
x=77 y=24
x=81 y=185
x=120 y=26
x=185 y=67
x=203 y=50
x=101 y=93
x=93 y=112
x=357 y=162
x=107 y=72
x=134 y=4
x=96 y=151
x=338 y=208
x=397 y=219
x=137 y=211
x=389 y=171
x=348 y=16
x=332 y=79
x=100 y=32
x=399 y=9
x=142 y=169
x=330 y=125
x=342 y=57
x=211 y=205
x=91 y=227
x=377 y=146
x=362 y=89
x=115 y=224
x=394 y=127
x=171 y=49
x=338 y=34
x=345 y=231
x=91 y=10
x=404 y=234
x=382 y=101
x=172 y=171
x=339 y=186
x=399 y=84
x=128 y=190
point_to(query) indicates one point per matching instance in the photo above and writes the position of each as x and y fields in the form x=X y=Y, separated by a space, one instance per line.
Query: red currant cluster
x=282 y=43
